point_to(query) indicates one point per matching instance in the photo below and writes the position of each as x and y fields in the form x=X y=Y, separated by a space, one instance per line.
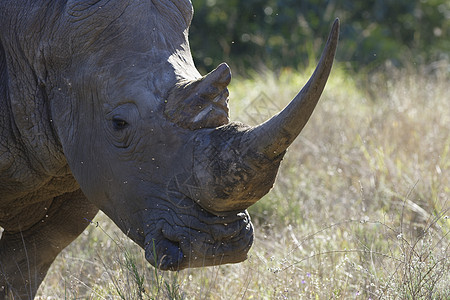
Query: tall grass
x=360 y=208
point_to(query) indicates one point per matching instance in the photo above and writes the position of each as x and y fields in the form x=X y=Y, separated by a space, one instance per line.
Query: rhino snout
x=203 y=240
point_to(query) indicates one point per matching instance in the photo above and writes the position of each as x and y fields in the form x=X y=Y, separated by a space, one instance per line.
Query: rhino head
x=148 y=139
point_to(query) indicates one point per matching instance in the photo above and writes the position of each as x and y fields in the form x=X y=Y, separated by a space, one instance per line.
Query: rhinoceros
x=101 y=107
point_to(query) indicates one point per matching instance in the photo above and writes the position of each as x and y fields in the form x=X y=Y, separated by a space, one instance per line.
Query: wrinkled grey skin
x=101 y=107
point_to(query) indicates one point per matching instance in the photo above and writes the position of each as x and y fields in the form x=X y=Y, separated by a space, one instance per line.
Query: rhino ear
x=202 y=103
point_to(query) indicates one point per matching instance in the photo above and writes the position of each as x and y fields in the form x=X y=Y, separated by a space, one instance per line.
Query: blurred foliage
x=286 y=33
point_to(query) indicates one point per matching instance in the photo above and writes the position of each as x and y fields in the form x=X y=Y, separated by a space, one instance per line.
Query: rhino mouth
x=187 y=236
x=171 y=257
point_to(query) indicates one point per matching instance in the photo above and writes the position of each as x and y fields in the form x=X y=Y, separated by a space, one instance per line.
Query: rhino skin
x=101 y=107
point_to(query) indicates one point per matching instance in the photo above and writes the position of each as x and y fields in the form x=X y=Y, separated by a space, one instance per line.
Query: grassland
x=360 y=208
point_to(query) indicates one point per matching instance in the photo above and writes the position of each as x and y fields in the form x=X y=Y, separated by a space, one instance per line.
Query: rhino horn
x=202 y=103
x=236 y=165
x=273 y=137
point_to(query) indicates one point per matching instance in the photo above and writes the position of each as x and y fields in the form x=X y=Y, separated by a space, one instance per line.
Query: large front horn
x=235 y=165
x=274 y=136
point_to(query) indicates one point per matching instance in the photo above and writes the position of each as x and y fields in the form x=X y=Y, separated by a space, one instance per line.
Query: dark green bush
x=286 y=33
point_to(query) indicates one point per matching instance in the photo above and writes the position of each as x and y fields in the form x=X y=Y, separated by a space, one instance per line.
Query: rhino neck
x=31 y=155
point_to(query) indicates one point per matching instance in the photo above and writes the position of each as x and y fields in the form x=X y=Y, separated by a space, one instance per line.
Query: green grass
x=360 y=208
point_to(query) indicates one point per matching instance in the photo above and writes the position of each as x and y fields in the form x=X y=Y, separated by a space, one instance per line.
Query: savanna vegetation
x=360 y=209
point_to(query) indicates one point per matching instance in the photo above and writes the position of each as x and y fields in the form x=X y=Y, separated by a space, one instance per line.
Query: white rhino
x=101 y=107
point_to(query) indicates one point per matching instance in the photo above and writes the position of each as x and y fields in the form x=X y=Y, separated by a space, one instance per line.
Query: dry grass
x=360 y=208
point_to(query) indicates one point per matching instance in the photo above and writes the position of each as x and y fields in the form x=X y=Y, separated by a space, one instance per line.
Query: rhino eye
x=119 y=124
